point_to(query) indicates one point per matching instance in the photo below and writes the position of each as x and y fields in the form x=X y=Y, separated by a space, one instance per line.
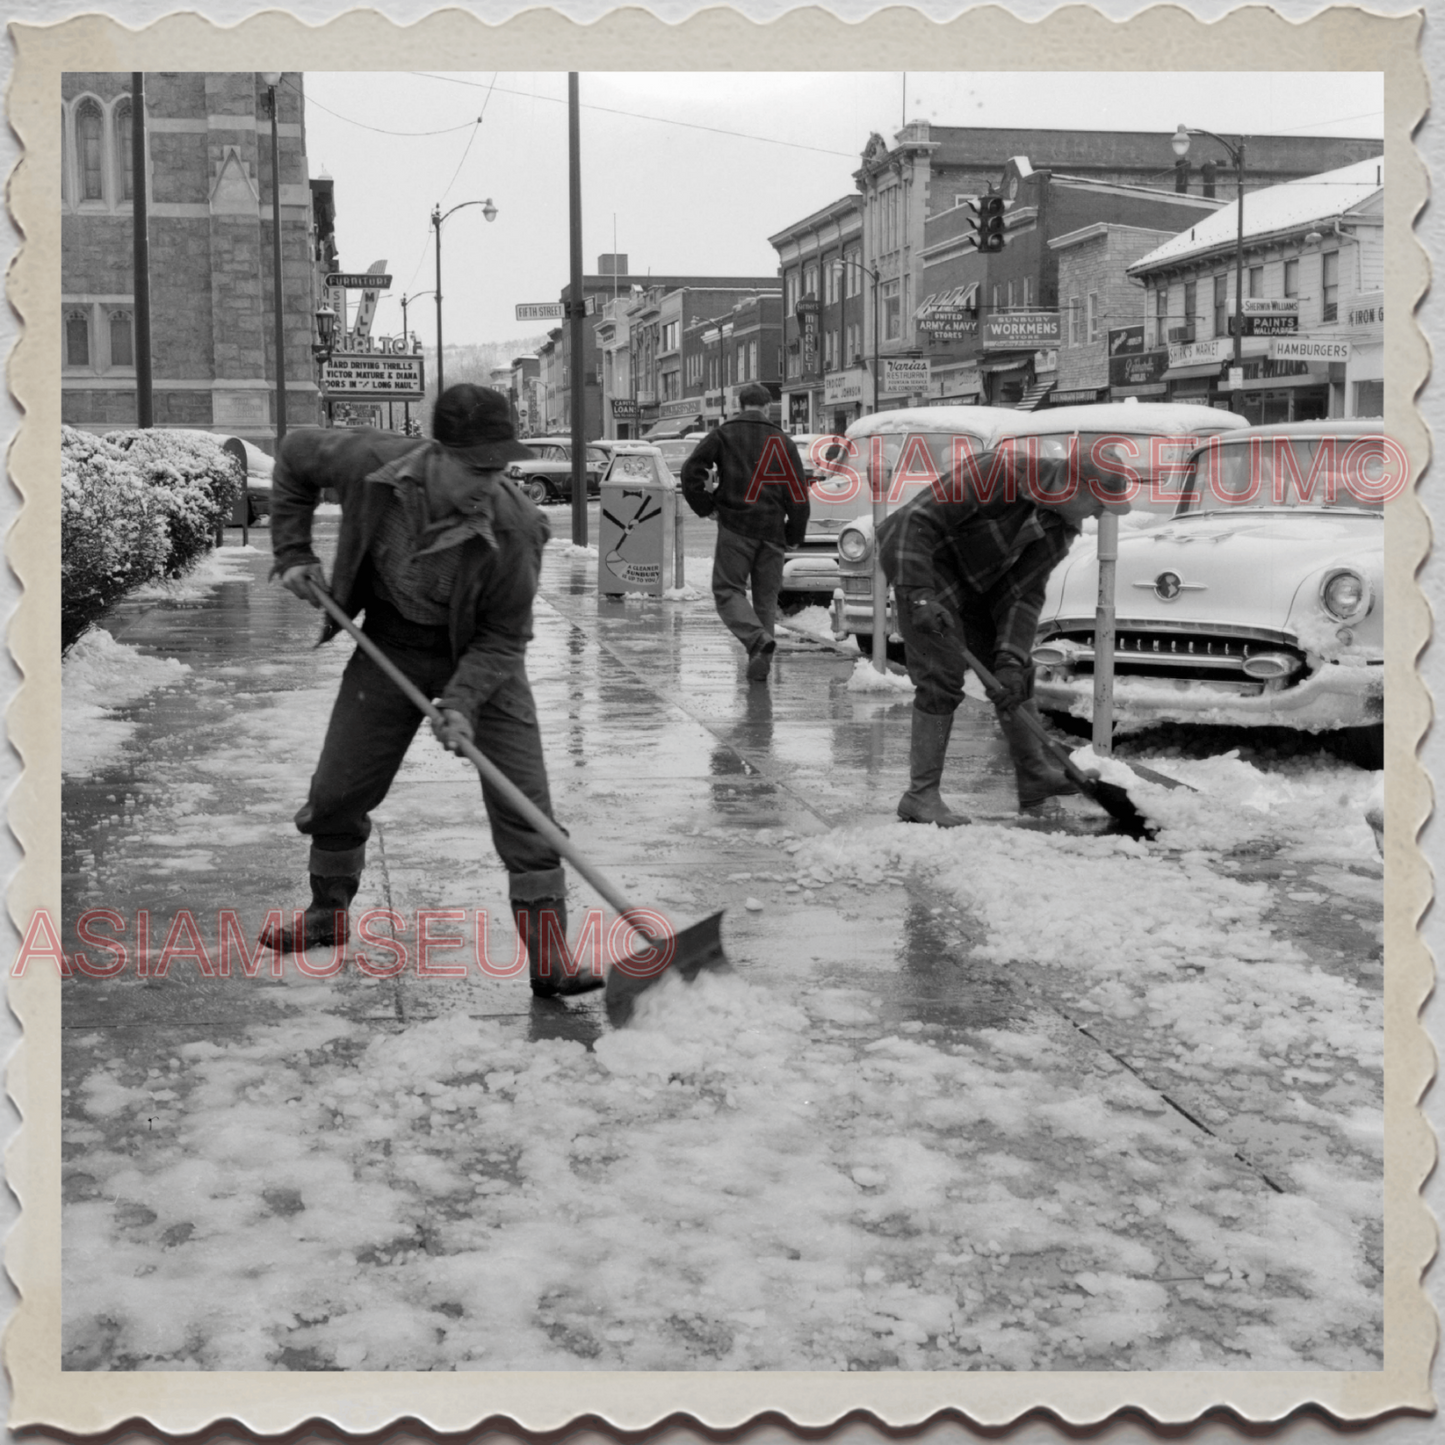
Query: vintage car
x=840 y=494
x=1261 y=602
x=548 y=477
x=1148 y=441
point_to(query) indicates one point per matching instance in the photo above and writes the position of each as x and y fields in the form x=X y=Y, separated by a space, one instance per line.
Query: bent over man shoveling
x=968 y=578
x=441 y=552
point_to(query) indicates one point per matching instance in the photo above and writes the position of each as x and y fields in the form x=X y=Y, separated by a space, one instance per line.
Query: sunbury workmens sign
x=382 y=378
x=1023 y=330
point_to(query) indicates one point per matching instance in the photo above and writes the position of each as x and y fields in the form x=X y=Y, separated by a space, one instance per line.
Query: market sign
x=1141 y=368
x=905 y=374
x=807 y=313
x=360 y=280
x=382 y=378
x=1021 y=330
x=1302 y=348
x=1200 y=353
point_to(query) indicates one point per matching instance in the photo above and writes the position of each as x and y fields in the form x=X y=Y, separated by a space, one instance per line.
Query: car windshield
x=1159 y=464
x=1283 y=472
x=909 y=460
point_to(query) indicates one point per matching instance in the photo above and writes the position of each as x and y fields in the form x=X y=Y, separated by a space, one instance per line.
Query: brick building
x=929 y=169
x=208 y=190
x=1102 y=356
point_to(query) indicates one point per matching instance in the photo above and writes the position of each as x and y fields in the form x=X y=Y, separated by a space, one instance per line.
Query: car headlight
x=514 y=469
x=1345 y=595
x=852 y=545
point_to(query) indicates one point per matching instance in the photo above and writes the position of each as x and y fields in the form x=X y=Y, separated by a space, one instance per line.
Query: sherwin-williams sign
x=1021 y=330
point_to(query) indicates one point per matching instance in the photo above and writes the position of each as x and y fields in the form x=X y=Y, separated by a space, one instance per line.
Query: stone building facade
x=208 y=190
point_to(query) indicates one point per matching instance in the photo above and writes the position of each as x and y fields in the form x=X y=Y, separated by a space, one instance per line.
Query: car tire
x=1363 y=746
x=537 y=490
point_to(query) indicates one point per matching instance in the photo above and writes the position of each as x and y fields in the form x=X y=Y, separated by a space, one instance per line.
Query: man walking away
x=970 y=574
x=441 y=552
x=761 y=505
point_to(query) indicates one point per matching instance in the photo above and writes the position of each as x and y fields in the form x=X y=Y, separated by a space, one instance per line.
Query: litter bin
x=634 y=536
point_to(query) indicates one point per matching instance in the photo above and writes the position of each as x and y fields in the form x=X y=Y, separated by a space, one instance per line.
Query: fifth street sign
x=539 y=310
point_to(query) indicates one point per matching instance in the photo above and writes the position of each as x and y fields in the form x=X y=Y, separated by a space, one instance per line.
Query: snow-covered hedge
x=135 y=507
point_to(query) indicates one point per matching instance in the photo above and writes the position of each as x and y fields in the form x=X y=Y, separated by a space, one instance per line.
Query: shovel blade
x=1117 y=804
x=697 y=949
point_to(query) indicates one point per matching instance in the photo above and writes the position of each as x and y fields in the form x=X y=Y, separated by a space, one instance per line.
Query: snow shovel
x=1113 y=799
x=693 y=950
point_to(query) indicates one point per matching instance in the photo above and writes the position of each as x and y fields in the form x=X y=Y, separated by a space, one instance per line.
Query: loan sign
x=381 y=378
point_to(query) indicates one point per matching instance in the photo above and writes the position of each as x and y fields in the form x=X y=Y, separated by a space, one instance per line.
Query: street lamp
x=406 y=341
x=273 y=79
x=1180 y=143
x=325 y=344
x=437 y=217
x=880 y=504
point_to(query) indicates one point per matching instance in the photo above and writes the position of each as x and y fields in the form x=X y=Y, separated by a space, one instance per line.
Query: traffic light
x=988 y=229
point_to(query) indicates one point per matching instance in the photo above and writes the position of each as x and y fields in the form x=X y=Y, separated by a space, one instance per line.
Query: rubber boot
x=542 y=922
x=324 y=923
x=923 y=803
x=1036 y=770
x=761 y=660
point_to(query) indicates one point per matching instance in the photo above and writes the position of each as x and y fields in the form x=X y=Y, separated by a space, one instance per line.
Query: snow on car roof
x=1337 y=426
x=1161 y=418
x=979 y=421
x=1275 y=208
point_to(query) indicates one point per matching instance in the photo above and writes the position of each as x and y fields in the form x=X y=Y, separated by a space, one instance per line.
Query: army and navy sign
x=377 y=377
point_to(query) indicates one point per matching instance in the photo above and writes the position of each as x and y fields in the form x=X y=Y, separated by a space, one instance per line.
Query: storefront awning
x=1181 y=373
x=1006 y=363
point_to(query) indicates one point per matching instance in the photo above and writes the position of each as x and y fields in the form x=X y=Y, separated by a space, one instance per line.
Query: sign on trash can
x=634 y=538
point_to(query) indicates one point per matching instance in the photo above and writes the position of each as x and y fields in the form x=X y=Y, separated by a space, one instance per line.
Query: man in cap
x=441 y=552
x=970 y=574
x=761 y=505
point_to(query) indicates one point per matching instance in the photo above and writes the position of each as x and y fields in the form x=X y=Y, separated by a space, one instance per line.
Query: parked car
x=1254 y=605
x=258 y=467
x=1153 y=440
x=548 y=478
x=676 y=450
x=837 y=557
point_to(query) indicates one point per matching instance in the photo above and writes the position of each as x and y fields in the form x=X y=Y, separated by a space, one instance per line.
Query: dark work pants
x=739 y=563
x=372 y=724
x=935 y=663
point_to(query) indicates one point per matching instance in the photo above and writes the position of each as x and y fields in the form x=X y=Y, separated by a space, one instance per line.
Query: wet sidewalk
x=976 y=1125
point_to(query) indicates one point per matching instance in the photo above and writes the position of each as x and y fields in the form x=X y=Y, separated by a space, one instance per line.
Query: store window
x=853 y=273
x=753 y=360
x=810 y=281
x=1191 y=304
x=1161 y=316
x=1369 y=398
x=791 y=289
x=1291 y=277
x=77 y=339
x=1330 y=290
x=1093 y=315
x=1073 y=320
x=1028 y=293
x=1221 y=305
x=1256 y=280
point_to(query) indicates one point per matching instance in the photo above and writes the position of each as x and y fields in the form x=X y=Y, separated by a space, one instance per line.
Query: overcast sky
x=698 y=169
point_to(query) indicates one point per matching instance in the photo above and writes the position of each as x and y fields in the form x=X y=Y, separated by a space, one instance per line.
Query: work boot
x=1036 y=770
x=323 y=924
x=923 y=803
x=542 y=922
x=761 y=660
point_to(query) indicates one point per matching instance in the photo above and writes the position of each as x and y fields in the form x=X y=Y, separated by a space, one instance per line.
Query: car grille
x=1181 y=655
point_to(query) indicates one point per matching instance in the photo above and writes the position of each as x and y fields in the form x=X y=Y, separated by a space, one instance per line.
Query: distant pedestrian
x=761 y=505
x=441 y=552
x=971 y=574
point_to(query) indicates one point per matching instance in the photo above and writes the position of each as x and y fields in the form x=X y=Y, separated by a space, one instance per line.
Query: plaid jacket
x=996 y=554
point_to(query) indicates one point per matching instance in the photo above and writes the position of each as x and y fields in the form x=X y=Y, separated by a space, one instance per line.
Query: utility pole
x=144 y=396
x=273 y=79
x=577 y=314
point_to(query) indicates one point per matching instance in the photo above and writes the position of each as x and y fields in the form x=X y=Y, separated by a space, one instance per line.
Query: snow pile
x=97 y=675
x=222 y=564
x=681 y=594
x=1235 y=803
x=867 y=678
x=571 y=549
x=733 y=1182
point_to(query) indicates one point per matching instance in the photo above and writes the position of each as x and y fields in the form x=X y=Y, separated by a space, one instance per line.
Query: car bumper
x=811 y=574
x=852 y=613
x=1337 y=695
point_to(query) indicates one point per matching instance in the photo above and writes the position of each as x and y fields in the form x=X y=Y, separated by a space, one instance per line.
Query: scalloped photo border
x=1077 y=38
